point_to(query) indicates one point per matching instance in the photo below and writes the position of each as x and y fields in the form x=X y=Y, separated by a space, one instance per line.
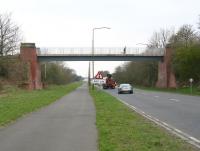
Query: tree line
x=12 y=70
x=185 y=59
x=58 y=73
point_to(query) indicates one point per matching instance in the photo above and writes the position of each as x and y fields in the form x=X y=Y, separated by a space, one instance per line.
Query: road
x=179 y=111
x=66 y=125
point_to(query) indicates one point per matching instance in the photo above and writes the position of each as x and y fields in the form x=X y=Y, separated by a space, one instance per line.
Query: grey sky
x=69 y=23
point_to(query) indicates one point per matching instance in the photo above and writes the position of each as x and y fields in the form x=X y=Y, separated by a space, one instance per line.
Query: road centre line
x=175 y=100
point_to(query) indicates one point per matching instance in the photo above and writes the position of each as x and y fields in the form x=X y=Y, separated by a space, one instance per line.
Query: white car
x=125 y=88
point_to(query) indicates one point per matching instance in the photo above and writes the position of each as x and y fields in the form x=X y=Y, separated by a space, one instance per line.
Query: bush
x=198 y=88
x=185 y=63
x=57 y=73
x=1 y=86
x=12 y=69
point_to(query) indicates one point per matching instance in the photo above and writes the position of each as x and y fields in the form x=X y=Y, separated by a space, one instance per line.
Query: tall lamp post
x=93 y=50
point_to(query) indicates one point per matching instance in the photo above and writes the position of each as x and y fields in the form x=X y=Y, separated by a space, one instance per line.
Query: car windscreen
x=125 y=85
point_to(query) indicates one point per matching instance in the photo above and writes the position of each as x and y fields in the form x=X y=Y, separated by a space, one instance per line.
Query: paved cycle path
x=66 y=125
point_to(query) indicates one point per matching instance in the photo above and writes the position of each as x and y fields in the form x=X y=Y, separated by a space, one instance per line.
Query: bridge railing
x=100 y=51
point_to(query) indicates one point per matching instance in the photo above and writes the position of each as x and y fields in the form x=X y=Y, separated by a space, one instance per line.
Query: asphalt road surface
x=179 y=111
x=66 y=125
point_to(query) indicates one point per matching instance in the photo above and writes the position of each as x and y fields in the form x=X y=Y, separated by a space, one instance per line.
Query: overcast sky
x=69 y=23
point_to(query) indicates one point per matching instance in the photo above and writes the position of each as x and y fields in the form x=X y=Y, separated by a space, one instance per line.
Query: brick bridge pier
x=166 y=76
x=28 y=54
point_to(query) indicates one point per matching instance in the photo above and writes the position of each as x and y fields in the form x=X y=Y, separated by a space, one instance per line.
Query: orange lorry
x=110 y=83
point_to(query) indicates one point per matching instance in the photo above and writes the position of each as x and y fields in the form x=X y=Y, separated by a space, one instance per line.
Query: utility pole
x=89 y=80
x=45 y=71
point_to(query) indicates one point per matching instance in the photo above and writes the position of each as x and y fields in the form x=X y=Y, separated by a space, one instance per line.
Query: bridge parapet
x=75 y=51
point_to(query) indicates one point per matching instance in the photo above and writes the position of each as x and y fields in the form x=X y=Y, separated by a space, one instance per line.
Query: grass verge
x=121 y=129
x=19 y=102
x=185 y=90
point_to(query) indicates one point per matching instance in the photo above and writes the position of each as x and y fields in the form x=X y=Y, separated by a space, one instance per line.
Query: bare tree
x=186 y=36
x=104 y=73
x=154 y=42
x=199 y=29
x=9 y=35
x=161 y=38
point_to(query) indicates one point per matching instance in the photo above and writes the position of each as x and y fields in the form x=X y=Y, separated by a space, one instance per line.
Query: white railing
x=100 y=51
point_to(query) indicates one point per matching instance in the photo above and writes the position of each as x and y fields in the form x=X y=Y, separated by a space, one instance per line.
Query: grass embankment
x=185 y=90
x=19 y=102
x=121 y=129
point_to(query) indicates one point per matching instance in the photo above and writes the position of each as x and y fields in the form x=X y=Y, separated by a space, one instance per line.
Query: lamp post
x=89 y=74
x=93 y=50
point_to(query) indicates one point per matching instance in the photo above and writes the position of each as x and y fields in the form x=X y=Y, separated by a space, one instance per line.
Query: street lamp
x=93 y=50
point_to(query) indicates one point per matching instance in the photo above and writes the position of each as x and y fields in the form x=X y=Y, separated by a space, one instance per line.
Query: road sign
x=191 y=80
x=99 y=75
x=98 y=81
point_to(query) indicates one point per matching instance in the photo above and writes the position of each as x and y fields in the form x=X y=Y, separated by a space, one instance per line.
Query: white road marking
x=156 y=96
x=133 y=107
x=167 y=128
x=184 y=136
x=195 y=139
x=165 y=123
x=175 y=100
x=178 y=130
x=149 y=116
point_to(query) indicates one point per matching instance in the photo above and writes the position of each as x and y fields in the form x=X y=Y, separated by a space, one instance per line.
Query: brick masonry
x=29 y=56
x=166 y=76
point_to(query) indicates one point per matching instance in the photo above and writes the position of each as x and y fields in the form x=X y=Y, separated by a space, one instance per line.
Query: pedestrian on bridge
x=124 y=51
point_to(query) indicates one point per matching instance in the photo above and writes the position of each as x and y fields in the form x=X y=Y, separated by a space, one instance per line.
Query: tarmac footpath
x=66 y=125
